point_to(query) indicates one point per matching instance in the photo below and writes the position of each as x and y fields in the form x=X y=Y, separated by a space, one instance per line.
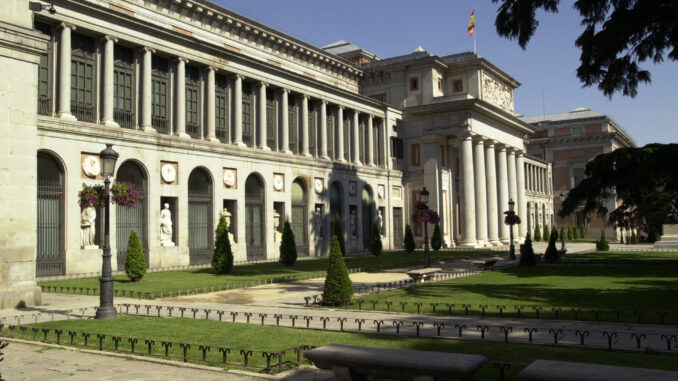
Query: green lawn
x=205 y=278
x=625 y=257
x=267 y=338
x=629 y=288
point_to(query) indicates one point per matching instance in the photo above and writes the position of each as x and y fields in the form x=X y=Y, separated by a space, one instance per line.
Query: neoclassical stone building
x=215 y=114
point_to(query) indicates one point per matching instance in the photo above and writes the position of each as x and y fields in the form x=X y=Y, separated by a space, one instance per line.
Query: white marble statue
x=166 y=226
x=227 y=217
x=277 y=235
x=380 y=222
x=317 y=224
x=88 y=217
x=352 y=223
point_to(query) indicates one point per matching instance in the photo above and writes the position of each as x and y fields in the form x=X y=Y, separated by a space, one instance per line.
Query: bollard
x=482 y=329
x=378 y=323
x=530 y=331
x=506 y=331
x=555 y=333
x=460 y=328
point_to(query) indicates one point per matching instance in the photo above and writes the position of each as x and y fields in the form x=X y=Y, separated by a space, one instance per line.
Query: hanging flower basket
x=427 y=215
x=123 y=193
x=512 y=219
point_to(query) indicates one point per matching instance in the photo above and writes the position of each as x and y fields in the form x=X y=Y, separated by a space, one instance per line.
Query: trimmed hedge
x=338 y=287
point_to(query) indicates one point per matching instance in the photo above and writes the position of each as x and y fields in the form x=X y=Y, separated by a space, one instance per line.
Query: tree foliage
x=222 y=260
x=643 y=180
x=527 y=257
x=288 y=249
x=551 y=254
x=338 y=232
x=602 y=245
x=338 y=287
x=617 y=37
x=135 y=263
x=409 y=239
x=547 y=233
x=376 y=247
x=537 y=233
x=582 y=231
x=436 y=239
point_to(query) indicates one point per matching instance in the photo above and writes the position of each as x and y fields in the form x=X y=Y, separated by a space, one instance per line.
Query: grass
x=206 y=278
x=269 y=338
x=625 y=257
x=630 y=288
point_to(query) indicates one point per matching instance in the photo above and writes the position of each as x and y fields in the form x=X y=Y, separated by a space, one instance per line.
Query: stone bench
x=422 y=275
x=574 y=371
x=484 y=265
x=356 y=363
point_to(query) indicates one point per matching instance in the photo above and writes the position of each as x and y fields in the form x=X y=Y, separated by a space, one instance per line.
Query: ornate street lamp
x=423 y=206
x=510 y=220
x=106 y=308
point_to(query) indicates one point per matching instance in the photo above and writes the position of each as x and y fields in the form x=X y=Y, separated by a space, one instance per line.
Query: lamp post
x=423 y=205
x=511 y=220
x=106 y=308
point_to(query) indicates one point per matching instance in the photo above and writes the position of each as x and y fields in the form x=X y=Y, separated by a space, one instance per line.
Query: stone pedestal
x=669 y=239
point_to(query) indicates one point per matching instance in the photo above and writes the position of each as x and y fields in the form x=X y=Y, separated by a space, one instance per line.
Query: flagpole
x=474 y=32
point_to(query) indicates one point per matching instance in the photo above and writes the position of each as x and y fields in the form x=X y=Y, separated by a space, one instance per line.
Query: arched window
x=254 y=218
x=130 y=219
x=200 y=247
x=299 y=222
x=50 y=242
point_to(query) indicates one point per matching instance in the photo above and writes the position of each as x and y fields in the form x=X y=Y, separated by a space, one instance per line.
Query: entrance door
x=132 y=218
x=368 y=218
x=397 y=228
x=254 y=218
x=200 y=247
x=50 y=252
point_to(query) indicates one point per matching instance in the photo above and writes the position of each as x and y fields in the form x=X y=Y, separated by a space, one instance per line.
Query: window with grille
x=220 y=108
x=311 y=132
x=292 y=126
x=193 y=102
x=82 y=77
x=347 y=140
x=160 y=98
x=270 y=125
x=44 y=97
x=123 y=87
x=247 y=120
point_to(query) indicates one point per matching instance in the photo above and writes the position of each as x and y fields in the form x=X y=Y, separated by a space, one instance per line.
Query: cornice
x=26 y=41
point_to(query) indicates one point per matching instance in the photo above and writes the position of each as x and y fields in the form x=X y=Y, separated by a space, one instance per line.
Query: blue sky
x=546 y=69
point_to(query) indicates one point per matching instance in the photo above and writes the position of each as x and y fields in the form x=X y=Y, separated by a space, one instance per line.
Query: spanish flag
x=472 y=23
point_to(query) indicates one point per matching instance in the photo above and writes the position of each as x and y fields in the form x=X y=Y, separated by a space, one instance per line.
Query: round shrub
x=288 y=249
x=135 y=264
x=338 y=287
x=222 y=260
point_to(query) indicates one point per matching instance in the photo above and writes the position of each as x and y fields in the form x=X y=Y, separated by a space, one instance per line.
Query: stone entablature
x=234 y=34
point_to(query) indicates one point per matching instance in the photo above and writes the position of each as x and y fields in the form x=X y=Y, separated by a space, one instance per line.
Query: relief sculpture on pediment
x=497 y=93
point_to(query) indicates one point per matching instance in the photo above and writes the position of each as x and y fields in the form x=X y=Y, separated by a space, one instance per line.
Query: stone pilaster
x=107 y=117
x=468 y=209
x=356 y=137
x=147 y=90
x=480 y=191
x=64 y=110
x=370 y=141
x=304 y=126
x=263 y=144
x=340 y=134
x=180 y=95
x=237 y=111
x=284 y=100
x=211 y=111
x=323 y=130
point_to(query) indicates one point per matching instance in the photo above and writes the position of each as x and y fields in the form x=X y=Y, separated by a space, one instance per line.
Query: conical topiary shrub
x=222 y=260
x=551 y=254
x=582 y=231
x=288 y=249
x=569 y=233
x=547 y=233
x=338 y=287
x=135 y=264
x=634 y=237
x=575 y=233
x=562 y=233
x=436 y=239
x=602 y=245
x=409 y=239
x=376 y=247
x=537 y=233
x=527 y=257
x=338 y=232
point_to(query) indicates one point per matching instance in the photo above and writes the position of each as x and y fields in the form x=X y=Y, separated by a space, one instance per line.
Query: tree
x=547 y=233
x=582 y=231
x=575 y=233
x=551 y=254
x=436 y=239
x=617 y=36
x=409 y=239
x=527 y=257
x=288 y=249
x=634 y=237
x=376 y=247
x=338 y=287
x=222 y=260
x=643 y=180
x=338 y=232
x=537 y=232
x=569 y=233
x=135 y=263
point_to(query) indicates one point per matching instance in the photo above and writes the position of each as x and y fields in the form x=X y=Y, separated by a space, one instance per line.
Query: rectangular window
x=458 y=86
x=415 y=159
x=330 y=136
x=414 y=84
x=577 y=131
x=220 y=116
x=44 y=104
x=160 y=99
x=192 y=114
x=578 y=175
x=396 y=147
x=292 y=128
x=347 y=140
x=440 y=84
x=270 y=126
x=311 y=132
x=247 y=120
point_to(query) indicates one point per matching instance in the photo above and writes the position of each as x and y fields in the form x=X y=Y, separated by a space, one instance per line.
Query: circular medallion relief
x=91 y=166
x=278 y=182
x=168 y=173
x=229 y=178
x=318 y=186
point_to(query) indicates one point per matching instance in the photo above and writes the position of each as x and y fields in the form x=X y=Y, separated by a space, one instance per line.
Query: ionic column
x=304 y=126
x=323 y=130
x=263 y=144
x=181 y=98
x=107 y=117
x=211 y=114
x=522 y=201
x=340 y=134
x=370 y=141
x=147 y=90
x=237 y=111
x=381 y=134
x=285 y=121
x=356 y=138
x=503 y=186
x=65 y=72
x=493 y=214
x=480 y=191
x=468 y=209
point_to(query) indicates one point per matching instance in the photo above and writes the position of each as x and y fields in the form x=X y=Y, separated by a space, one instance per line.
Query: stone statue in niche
x=352 y=223
x=277 y=235
x=227 y=217
x=166 y=226
x=317 y=224
x=88 y=217
x=380 y=222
